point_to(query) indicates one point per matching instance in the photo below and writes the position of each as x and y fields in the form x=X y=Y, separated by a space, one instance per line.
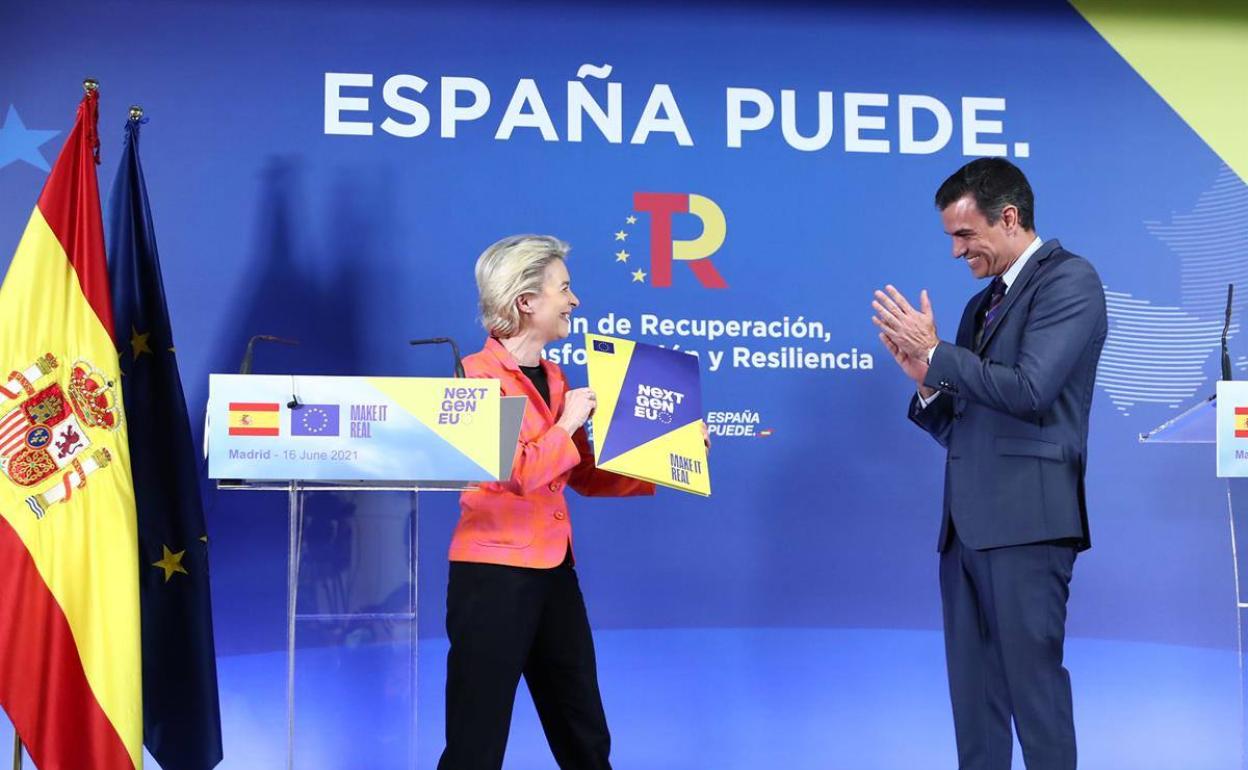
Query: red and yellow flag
x=70 y=669
x=1241 y=422
x=254 y=419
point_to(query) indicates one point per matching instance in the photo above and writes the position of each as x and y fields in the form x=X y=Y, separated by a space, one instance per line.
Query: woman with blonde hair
x=514 y=605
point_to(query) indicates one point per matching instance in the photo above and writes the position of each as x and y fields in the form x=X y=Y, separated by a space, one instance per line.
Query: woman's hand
x=578 y=406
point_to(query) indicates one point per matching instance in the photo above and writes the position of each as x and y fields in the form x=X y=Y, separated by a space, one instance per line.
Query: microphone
x=245 y=366
x=1226 y=329
x=294 y=402
x=459 y=362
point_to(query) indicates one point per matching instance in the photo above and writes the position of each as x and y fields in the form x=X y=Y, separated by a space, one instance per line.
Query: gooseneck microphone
x=459 y=362
x=249 y=354
x=1226 y=329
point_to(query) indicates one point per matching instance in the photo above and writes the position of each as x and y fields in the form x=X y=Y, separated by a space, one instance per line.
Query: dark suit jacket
x=1013 y=411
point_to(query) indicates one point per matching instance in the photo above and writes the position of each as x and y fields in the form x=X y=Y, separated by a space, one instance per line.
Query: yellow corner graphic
x=681 y=451
x=606 y=377
x=463 y=412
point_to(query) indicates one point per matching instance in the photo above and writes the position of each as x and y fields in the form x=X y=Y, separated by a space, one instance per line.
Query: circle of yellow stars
x=318 y=413
x=621 y=236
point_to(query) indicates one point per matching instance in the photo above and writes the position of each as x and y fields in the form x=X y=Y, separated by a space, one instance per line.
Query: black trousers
x=504 y=622
x=1005 y=627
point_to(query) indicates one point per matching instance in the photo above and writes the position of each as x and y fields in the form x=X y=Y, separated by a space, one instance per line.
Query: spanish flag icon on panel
x=254 y=418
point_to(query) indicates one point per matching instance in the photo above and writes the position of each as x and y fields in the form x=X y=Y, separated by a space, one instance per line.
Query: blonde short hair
x=511 y=267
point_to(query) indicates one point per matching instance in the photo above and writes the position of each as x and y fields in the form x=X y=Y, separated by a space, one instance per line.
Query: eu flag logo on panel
x=314 y=420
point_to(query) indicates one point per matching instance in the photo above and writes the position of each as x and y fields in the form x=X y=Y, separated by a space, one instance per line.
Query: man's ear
x=1009 y=218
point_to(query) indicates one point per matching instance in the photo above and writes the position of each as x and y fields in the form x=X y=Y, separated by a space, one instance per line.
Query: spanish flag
x=70 y=669
x=249 y=418
x=1241 y=422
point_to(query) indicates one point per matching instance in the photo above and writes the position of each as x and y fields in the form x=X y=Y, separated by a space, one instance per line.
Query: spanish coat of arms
x=44 y=446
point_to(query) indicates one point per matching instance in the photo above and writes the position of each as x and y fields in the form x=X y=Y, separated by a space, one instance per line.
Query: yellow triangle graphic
x=1194 y=55
x=676 y=459
x=606 y=376
x=463 y=412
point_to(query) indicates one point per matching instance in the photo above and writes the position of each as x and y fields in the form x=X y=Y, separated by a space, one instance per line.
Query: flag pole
x=17 y=751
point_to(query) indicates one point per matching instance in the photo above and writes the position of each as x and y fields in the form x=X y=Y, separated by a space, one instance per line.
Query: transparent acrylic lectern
x=1198 y=425
x=352 y=545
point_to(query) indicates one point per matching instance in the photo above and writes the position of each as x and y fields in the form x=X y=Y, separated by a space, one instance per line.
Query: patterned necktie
x=995 y=300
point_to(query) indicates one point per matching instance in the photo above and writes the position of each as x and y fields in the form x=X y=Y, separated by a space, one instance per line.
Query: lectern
x=336 y=443
x=1218 y=420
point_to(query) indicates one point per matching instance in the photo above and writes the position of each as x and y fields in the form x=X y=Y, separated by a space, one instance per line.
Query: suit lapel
x=557 y=385
x=1016 y=290
x=966 y=329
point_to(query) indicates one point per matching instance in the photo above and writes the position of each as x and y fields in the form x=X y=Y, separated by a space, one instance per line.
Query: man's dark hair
x=994 y=183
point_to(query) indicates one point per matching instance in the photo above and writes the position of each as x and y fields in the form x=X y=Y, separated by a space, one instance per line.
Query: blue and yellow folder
x=649 y=420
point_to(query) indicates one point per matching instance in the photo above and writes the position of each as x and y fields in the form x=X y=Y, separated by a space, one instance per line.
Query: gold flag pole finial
x=90 y=84
x=136 y=112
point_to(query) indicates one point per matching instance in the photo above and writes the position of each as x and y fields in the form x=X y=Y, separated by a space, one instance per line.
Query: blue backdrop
x=791 y=620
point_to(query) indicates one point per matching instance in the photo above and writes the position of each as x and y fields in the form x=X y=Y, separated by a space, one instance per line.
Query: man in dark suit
x=1010 y=402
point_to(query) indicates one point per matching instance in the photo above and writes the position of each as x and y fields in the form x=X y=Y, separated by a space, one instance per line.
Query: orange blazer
x=524 y=521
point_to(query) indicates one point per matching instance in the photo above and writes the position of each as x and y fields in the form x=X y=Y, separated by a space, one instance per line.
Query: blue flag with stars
x=181 y=711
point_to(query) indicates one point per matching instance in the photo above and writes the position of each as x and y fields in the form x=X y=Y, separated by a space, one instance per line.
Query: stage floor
x=740 y=699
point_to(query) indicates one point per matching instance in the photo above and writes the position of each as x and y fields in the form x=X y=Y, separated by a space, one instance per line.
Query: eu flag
x=181 y=711
x=315 y=420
